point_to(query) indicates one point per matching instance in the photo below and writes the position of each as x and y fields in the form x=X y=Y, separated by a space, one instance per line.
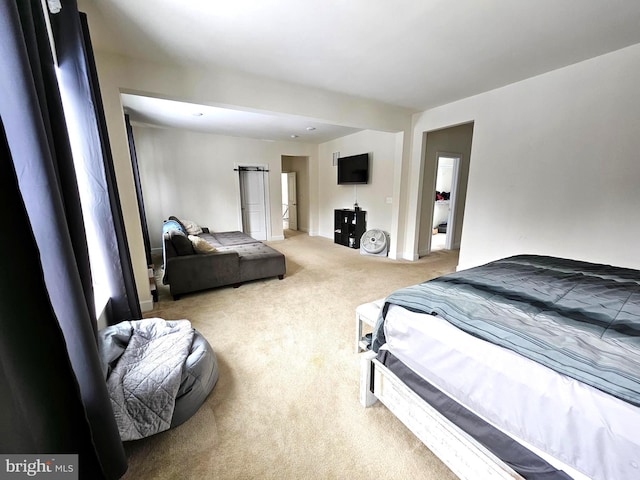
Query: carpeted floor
x=286 y=404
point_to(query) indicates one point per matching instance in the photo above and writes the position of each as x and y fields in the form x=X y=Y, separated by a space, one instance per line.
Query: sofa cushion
x=258 y=260
x=181 y=243
x=233 y=238
x=211 y=239
x=200 y=245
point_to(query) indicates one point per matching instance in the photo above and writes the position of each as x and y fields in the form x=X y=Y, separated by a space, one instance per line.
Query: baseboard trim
x=146 y=305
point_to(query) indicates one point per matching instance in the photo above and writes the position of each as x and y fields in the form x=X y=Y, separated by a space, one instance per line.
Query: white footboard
x=460 y=452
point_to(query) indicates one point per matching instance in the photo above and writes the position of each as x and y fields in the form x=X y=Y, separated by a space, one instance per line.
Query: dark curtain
x=41 y=408
x=136 y=177
x=132 y=308
x=79 y=80
x=53 y=388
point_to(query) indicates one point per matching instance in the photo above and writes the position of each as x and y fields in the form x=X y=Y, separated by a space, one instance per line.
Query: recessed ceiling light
x=197 y=114
x=294 y=136
x=311 y=129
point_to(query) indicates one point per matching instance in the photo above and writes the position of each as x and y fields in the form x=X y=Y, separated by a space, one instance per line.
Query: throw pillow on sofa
x=200 y=245
x=192 y=227
x=181 y=243
x=187 y=226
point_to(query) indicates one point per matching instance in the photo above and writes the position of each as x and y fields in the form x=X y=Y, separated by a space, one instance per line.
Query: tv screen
x=353 y=170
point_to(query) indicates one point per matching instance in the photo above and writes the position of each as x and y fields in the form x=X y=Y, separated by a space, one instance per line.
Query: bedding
x=577 y=318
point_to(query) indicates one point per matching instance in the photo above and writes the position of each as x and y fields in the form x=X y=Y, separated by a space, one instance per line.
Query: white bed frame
x=461 y=453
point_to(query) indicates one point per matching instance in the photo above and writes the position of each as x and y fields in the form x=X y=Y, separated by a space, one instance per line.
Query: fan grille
x=373 y=241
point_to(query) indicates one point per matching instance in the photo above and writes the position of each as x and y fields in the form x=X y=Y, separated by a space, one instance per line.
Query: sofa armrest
x=189 y=273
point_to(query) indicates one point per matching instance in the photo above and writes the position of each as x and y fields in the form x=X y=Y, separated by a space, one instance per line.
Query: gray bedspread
x=580 y=319
x=144 y=382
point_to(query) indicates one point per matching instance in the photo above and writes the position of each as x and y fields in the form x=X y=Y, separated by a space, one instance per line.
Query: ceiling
x=408 y=53
x=148 y=111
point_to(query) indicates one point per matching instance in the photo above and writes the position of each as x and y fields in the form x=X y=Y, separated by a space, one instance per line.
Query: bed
x=526 y=367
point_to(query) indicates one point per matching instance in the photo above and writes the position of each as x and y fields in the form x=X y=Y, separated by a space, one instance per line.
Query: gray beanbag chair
x=199 y=374
x=199 y=377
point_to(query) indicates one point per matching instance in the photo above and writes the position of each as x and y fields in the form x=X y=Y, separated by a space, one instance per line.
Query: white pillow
x=200 y=245
x=192 y=227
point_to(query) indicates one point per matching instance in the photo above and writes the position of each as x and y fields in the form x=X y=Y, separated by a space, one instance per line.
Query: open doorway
x=289 y=201
x=296 y=210
x=444 y=202
x=443 y=143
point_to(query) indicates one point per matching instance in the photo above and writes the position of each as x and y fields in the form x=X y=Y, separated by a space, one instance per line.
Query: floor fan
x=374 y=242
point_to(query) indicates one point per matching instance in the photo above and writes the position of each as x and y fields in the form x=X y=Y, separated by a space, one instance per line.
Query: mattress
x=575 y=427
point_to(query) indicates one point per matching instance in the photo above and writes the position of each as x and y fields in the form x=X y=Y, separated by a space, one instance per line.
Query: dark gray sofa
x=238 y=258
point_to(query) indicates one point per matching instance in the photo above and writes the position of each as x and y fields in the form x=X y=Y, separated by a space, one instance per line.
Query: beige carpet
x=286 y=404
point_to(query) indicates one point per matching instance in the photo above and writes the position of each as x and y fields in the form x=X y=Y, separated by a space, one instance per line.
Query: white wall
x=554 y=164
x=119 y=74
x=383 y=156
x=191 y=175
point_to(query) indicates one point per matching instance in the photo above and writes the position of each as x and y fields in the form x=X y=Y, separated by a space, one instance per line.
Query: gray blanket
x=144 y=381
x=580 y=319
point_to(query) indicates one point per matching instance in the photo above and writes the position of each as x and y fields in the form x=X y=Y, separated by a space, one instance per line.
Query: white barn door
x=253 y=202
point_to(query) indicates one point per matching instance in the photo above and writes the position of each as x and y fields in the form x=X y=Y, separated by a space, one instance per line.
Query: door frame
x=266 y=200
x=453 y=195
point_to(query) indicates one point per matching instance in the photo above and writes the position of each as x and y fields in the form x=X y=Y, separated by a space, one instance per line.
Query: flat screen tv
x=353 y=170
